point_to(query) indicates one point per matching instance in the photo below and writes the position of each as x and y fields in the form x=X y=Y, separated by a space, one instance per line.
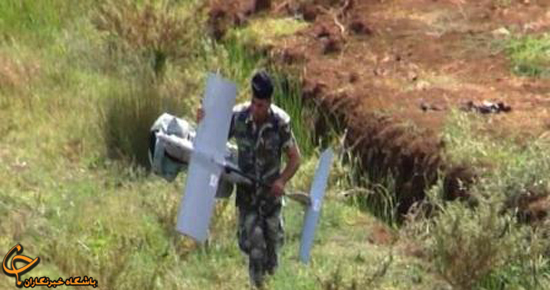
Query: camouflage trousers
x=261 y=236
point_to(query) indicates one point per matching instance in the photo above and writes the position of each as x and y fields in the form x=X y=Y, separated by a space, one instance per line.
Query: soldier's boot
x=257 y=257
x=256 y=268
x=271 y=261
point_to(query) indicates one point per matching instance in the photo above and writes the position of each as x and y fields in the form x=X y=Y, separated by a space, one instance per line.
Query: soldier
x=262 y=132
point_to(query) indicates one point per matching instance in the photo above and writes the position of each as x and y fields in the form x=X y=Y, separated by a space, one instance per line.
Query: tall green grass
x=288 y=95
x=128 y=113
x=369 y=190
x=158 y=31
x=530 y=55
x=37 y=21
x=242 y=62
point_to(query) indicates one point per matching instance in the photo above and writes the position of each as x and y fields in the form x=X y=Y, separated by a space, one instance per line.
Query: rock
x=501 y=32
x=308 y=12
x=331 y=45
x=322 y=32
x=358 y=26
x=353 y=77
x=430 y=107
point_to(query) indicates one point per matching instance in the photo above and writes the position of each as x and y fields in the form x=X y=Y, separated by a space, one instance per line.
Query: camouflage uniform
x=260 y=230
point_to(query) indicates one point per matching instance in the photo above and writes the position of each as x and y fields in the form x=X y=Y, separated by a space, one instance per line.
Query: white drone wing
x=316 y=195
x=208 y=155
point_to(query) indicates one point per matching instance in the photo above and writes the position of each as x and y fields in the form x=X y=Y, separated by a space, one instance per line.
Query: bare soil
x=392 y=71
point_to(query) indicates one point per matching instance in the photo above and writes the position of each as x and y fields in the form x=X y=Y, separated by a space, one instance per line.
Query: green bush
x=468 y=244
x=482 y=248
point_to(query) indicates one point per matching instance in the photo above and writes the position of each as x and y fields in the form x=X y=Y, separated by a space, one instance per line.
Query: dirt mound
x=532 y=206
x=223 y=15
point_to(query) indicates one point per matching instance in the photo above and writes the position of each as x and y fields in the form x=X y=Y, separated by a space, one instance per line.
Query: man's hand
x=278 y=187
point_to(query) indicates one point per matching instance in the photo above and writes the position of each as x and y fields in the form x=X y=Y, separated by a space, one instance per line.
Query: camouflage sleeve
x=287 y=137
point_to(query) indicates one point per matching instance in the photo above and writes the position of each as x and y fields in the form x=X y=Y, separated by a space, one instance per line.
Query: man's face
x=260 y=109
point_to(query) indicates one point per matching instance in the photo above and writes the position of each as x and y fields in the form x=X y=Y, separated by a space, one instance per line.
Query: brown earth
x=392 y=70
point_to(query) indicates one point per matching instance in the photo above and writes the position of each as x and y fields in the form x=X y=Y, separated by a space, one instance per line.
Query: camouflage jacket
x=260 y=148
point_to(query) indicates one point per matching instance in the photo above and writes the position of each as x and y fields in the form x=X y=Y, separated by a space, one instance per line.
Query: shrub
x=156 y=31
x=467 y=244
x=486 y=246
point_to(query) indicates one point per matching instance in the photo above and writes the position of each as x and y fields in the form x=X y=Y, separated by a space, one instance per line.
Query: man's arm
x=292 y=165
x=294 y=160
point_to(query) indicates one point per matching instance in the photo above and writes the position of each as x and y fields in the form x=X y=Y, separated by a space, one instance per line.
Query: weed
x=157 y=32
x=530 y=55
x=127 y=115
x=486 y=246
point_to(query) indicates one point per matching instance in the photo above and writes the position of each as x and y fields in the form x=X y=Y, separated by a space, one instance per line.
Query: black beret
x=262 y=87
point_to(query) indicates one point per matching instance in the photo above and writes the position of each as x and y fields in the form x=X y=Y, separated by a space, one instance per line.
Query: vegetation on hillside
x=80 y=85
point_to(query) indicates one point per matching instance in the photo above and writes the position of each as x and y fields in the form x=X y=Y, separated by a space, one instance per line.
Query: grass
x=530 y=55
x=262 y=32
x=64 y=107
x=128 y=112
x=483 y=247
x=37 y=22
x=504 y=251
x=157 y=31
x=508 y=166
x=85 y=213
x=288 y=96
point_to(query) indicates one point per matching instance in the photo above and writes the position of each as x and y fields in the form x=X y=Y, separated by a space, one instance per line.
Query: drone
x=211 y=164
